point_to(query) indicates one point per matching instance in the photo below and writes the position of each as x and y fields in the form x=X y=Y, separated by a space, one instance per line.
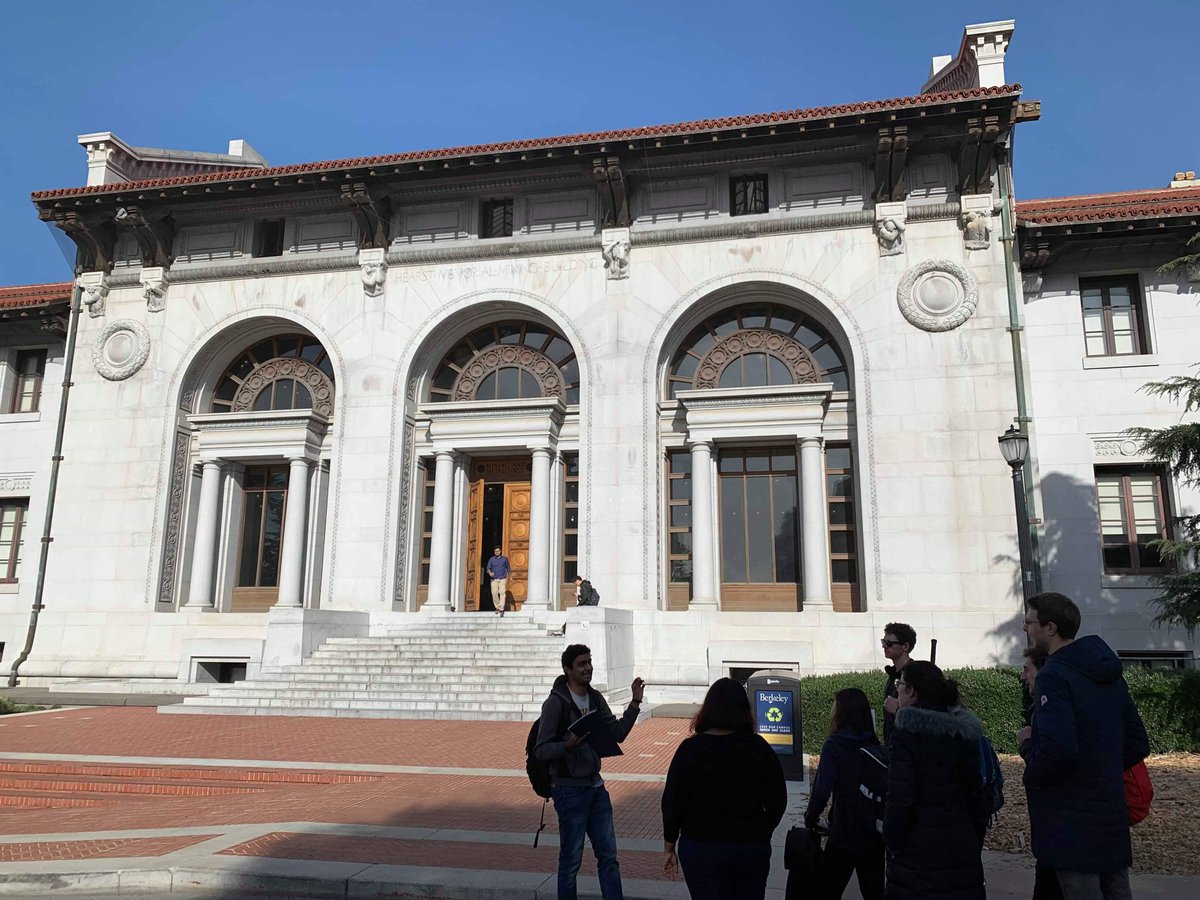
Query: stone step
x=424 y=657
x=460 y=706
x=266 y=691
x=511 y=669
x=436 y=715
x=461 y=644
x=357 y=676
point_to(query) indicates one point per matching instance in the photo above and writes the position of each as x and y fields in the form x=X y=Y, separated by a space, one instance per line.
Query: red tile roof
x=1117 y=207
x=702 y=126
x=27 y=295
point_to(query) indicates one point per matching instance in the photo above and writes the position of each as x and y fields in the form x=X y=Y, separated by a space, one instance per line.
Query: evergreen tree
x=1179 y=447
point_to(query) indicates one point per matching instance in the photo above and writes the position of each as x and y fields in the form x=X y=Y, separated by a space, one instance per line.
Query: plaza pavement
x=107 y=801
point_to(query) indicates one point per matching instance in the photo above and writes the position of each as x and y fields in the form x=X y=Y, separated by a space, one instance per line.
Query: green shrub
x=1169 y=703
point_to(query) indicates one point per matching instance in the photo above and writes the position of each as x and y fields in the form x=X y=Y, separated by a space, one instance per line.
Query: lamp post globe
x=1014 y=446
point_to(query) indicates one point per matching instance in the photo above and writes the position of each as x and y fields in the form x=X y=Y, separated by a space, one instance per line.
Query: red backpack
x=1138 y=792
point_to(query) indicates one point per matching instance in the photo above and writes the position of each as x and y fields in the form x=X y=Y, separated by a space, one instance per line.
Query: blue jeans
x=724 y=871
x=586 y=811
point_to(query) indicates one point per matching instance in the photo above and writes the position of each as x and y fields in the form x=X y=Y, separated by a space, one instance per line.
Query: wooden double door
x=497 y=516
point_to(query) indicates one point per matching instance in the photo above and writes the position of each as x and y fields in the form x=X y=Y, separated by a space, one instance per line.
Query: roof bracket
x=978 y=150
x=155 y=233
x=891 y=156
x=372 y=211
x=610 y=185
x=94 y=238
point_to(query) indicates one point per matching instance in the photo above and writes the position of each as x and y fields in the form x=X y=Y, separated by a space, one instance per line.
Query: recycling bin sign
x=775 y=701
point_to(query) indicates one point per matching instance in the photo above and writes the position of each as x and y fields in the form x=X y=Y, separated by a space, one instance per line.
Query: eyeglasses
x=1034 y=621
x=886 y=643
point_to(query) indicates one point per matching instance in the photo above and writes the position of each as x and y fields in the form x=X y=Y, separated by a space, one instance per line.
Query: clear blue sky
x=306 y=80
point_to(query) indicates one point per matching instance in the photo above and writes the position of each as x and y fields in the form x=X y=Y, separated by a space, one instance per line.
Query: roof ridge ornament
x=979 y=62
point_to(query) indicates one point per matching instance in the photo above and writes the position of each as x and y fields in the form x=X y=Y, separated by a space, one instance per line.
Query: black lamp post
x=1014 y=445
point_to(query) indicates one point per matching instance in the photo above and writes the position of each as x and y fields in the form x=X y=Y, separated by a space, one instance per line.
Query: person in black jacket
x=724 y=796
x=899 y=640
x=935 y=815
x=854 y=844
x=1086 y=733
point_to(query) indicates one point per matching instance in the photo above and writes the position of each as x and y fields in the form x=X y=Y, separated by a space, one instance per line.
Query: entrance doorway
x=264 y=499
x=497 y=516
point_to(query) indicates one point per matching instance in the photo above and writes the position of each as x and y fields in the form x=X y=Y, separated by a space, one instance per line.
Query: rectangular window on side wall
x=29 y=371
x=843 y=525
x=1113 y=316
x=13 y=515
x=570 y=520
x=268 y=238
x=679 y=528
x=1133 y=512
x=747 y=195
x=497 y=218
x=426 y=524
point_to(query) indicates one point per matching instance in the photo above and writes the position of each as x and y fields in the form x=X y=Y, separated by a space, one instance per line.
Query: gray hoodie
x=581 y=766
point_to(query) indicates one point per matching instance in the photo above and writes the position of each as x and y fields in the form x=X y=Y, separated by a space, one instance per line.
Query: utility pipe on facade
x=1015 y=330
x=52 y=489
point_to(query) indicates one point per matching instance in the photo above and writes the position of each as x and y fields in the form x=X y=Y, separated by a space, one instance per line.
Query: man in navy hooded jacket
x=1086 y=732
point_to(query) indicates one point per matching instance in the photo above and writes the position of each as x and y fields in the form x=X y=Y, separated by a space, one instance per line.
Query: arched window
x=286 y=371
x=508 y=361
x=756 y=345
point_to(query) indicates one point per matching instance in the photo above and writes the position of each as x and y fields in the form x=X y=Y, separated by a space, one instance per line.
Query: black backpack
x=872 y=787
x=539 y=772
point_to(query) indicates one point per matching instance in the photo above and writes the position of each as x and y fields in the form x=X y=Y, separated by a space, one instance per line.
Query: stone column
x=704 y=568
x=440 y=553
x=538 y=596
x=204 y=546
x=814 y=538
x=291 y=556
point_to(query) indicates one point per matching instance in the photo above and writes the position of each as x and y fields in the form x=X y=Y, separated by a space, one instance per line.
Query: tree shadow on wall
x=1069 y=550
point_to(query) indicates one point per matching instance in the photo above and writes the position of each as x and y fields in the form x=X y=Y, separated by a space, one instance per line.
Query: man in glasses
x=898 y=642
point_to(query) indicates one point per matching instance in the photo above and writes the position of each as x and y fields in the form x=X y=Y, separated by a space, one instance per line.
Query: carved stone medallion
x=756 y=340
x=121 y=349
x=937 y=295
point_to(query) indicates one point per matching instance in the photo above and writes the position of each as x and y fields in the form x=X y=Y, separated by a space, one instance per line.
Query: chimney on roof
x=1185 y=180
x=112 y=161
x=979 y=63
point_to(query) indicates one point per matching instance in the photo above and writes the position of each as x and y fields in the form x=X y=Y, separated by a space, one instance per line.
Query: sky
x=304 y=80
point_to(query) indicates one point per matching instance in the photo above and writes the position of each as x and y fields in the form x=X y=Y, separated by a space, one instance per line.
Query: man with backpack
x=580 y=799
x=585 y=594
x=1086 y=734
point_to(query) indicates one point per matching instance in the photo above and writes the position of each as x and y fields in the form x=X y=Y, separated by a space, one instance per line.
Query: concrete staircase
x=462 y=666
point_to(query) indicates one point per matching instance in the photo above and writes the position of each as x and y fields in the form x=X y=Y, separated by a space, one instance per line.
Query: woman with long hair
x=936 y=815
x=854 y=844
x=724 y=796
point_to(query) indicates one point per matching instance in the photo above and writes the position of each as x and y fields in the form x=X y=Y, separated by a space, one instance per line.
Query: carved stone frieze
x=154 y=287
x=372 y=262
x=179 y=468
x=121 y=348
x=937 y=295
x=541 y=367
x=756 y=340
x=95 y=292
x=1119 y=445
x=889 y=228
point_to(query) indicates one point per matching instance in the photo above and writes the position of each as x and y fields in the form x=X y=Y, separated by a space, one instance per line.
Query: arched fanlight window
x=757 y=345
x=286 y=371
x=508 y=361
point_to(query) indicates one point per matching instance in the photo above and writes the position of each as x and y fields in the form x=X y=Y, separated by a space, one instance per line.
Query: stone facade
x=906 y=368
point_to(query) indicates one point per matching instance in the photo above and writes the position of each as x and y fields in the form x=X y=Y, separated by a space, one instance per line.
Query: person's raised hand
x=890 y=705
x=1024 y=734
x=638 y=688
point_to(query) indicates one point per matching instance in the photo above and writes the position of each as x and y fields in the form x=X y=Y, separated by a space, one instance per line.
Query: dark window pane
x=808 y=337
x=839 y=380
x=263 y=350
x=277 y=476
x=783 y=319
x=754 y=317
x=460 y=355
x=272 y=540
x=827 y=357
x=1093 y=298
x=685 y=366
x=724 y=323
x=303 y=399
x=570 y=371
x=681 y=516
x=681 y=571
x=256 y=476
x=731 y=375
x=701 y=341
x=779 y=373
x=484 y=337
x=425 y=573
x=251 y=525
x=487 y=388
x=841 y=513
x=507 y=387
x=783 y=461
x=681 y=542
x=681 y=489
x=283 y=393
x=262 y=402
x=733 y=531
x=571 y=464
x=536 y=336
x=429 y=494
x=838 y=486
x=787 y=569
x=227 y=389
x=426 y=548
x=837 y=458
x=1118 y=557
x=844 y=571
x=681 y=462
x=570 y=570
x=558 y=350
x=571 y=545
x=445 y=378
x=510 y=332
x=729 y=462
x=571 y=517
x=572 y=396
x=839 y=542
x=572 y=492
x=428 y=520
x=758 y=462
x=754 y=369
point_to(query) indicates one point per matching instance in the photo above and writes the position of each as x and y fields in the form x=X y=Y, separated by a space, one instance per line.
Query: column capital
x=299 y=460
x=702 y=444
x=212 y=464
x=541 y=452
x=811 y=440
x=445 y=453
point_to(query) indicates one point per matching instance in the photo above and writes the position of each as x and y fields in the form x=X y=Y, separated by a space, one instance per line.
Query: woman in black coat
x=724 y=797
x=935 y=816
x=854 y=844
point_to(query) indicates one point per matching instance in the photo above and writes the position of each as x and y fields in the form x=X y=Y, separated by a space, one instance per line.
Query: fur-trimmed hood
x=956 y=722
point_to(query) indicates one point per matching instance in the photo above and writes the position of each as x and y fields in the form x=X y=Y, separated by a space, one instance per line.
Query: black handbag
x=802 y=855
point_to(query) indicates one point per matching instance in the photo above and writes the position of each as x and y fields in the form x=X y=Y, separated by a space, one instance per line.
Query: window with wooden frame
x=679 y=516
x=497 y=218
x=758 y=503
x=426 y=526
x=1113 y=321
x=13 y=514
x=1134 y=511
x=747 y=195
x=570 y=519
x=843 y=528
x=29 y=371
x=264 y=495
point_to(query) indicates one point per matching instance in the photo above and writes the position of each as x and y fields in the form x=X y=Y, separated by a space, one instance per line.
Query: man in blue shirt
x=498 y=569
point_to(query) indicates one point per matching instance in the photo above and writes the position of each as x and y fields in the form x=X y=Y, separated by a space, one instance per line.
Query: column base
x=816 y=603
x=531 y=605
x=703 y=603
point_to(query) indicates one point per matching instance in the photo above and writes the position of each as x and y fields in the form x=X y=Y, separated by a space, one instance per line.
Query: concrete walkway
x=113 y=801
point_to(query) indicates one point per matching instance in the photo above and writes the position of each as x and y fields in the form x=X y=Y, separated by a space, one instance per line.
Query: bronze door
x=516 y=541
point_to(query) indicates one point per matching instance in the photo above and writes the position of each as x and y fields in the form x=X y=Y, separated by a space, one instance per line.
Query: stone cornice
x=740 y=228
x=491 y=249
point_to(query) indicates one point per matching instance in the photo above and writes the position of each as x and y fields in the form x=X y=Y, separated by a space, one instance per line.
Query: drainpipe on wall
x=1015 y=331
x=52 y=489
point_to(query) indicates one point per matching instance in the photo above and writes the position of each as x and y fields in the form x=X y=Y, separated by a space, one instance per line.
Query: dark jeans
x=720 y=871
x=1045 y=884
x=586 y=811
x=837 y=865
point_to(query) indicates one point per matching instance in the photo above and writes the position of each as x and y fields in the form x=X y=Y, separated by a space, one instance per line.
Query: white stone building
x=747 y=375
